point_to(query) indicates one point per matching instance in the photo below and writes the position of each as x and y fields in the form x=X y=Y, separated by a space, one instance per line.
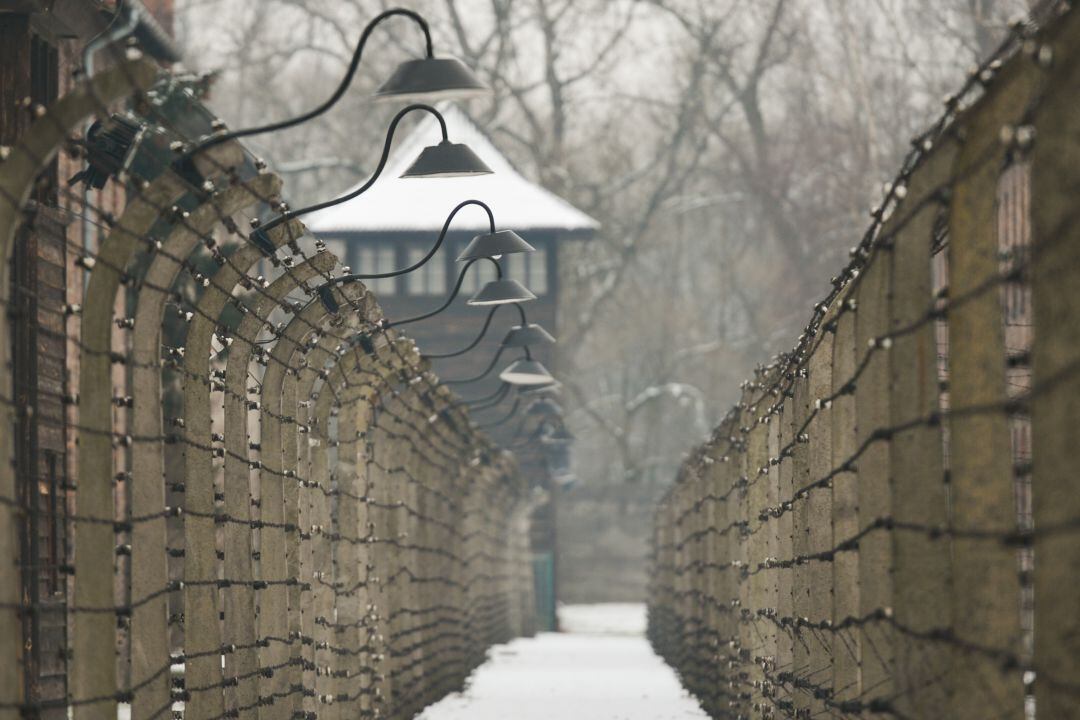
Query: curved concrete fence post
x=317 y=473
x=149 y=558
x=239 y=599
x=278 y=501
x=95 y=542
x=202 y=640
x=333 y=599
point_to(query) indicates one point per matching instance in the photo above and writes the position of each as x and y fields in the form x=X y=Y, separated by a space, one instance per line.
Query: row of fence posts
x=309 y=526
x=888 y=522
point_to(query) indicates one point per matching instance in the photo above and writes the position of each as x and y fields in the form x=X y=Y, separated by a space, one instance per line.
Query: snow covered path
x=601 y=668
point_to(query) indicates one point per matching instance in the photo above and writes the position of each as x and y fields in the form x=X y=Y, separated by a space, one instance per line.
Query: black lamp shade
x=526 y=372
x=544 y=406
x=525 y=335
x=431 y=80
x=447 y=159
x=501 y=292
x=495 y=245
x=543 y=389
x=561 y=435
x=557 y=434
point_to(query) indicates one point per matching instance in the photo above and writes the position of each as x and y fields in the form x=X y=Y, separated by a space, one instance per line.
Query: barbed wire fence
x=888 y=523
x=267 y=517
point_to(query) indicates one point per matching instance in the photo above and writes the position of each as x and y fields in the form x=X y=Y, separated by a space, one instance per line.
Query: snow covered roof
x=422 y=204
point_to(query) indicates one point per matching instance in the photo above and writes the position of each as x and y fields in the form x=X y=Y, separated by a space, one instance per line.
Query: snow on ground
x=599 y=668
x=607 y=618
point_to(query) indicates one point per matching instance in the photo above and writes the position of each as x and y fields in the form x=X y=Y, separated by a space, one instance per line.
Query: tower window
x=529 y=269
x=377 y=260
x=429 y=279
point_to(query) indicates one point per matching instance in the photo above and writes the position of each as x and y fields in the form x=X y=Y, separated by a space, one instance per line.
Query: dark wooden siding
x=29 y=76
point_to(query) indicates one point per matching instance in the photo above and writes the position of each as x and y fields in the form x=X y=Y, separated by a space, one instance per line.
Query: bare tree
x=730 y=149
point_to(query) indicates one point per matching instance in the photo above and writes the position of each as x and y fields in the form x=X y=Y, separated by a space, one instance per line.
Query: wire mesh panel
x=896 y=546
x=279 y=510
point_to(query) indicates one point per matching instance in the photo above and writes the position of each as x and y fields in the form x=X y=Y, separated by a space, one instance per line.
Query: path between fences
x=599 y=668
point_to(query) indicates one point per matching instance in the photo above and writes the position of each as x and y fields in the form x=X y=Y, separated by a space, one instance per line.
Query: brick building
x=41 y=47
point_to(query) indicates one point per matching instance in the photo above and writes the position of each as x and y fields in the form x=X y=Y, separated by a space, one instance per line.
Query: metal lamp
x=527 y=334
x=432 y=79
x=507 y=247
x=495 y=245
x=518 y=336
x=526 y=371
x=496 y=292
x=429 y=79
x=444 y=160
x=544 y=389
x=503 y=291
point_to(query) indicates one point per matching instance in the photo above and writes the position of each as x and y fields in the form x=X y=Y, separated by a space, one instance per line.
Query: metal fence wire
x=259 y=516
x=888 y=523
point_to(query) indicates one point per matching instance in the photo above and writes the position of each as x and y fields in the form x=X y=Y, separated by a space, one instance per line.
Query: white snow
x=603 y=618
x=600 y=668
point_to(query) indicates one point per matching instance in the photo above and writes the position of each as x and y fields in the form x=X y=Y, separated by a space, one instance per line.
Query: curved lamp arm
x=488 y=369
x=483 y=332
x=338 y=93
x=504 y=418
x=454 y=294
x=431 y=253
x=494 y=399
x=259 y=234
x=525 y=441
x=481 y=376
